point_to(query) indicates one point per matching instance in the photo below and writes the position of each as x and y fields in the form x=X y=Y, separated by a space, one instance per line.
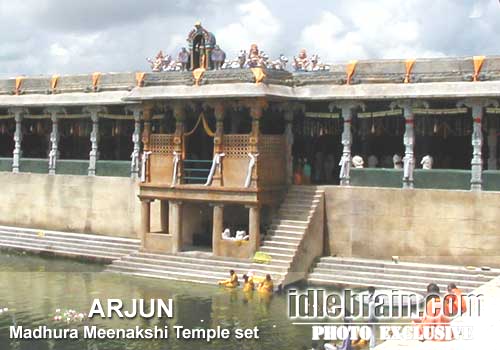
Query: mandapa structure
x=219 y=148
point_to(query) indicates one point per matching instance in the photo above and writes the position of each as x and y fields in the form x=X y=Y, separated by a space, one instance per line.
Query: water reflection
x=33 y=288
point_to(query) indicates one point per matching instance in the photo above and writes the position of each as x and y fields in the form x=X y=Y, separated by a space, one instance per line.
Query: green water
x=32 y=288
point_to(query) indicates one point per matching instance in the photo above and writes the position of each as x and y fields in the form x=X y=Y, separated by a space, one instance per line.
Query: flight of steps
x=82 y=246
x=354 y=272
x=281 y=242
x=197 y=267
x=287 y=231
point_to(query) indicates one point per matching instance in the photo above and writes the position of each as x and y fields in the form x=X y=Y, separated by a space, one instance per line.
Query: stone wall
x=99 y=205
x=456 y=227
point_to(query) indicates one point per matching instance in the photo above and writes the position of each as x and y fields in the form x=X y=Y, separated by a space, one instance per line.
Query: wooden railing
x=269 y=170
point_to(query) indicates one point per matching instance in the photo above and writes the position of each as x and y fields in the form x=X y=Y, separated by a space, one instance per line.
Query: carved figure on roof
x=218 y=57
x=238 y=62
x=302 y=62
x=201 y=43
x=255 y=58
x=160 y=63
x=279 y=64
x=317 y=65
x=183 y=59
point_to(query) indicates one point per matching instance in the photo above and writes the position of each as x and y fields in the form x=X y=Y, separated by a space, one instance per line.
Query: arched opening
x=198 y=148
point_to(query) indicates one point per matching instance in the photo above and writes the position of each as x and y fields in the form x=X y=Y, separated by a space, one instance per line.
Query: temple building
x=217 y=145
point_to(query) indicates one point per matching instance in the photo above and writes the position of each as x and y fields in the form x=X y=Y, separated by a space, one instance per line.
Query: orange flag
x=350 y=70
x=478 y=65
x=409 y=67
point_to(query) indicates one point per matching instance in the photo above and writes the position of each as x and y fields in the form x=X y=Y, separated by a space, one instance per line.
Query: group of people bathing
x=250 y=282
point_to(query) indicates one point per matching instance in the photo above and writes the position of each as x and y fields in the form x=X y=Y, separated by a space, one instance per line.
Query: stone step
x=69 y=240
x=422 y=288
x=84 y=236
x=274 y=241
x=278 y=254
x=377 y=283
x=280 y=244
x=286 y=233
x=208 y=271
x=403 y=265
x=192 y=265
x=213 y=261
x=330 y=267
x=282 y=238
x=293 y=225
x=300 y=205
x=403 y=277
x=73 y=253
x=61 y=245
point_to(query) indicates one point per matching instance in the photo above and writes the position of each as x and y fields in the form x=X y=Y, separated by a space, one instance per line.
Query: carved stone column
x=256 y=111
x=18 y=137
x=145 y=220
x=492 y=144
x=175 y=223
x=147 y=114
x=409 y=138
x=136 y=140
x=217 y=228
x=477 y=106
x=289 y=145
x=179 y=112
x=54 y=138
x=254 y=227
x=345 y=163
x=219 y=112
x=94 y=137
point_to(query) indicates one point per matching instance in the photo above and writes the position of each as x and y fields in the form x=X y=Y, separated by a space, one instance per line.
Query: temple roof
x=371 y=79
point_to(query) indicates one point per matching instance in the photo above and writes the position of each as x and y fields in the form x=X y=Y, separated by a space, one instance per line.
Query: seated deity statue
x=358 y=162
x=159 y=63
x=218 y=57
x=183 y=59
x=397 y=161
x=302 y=62
x=427 y=162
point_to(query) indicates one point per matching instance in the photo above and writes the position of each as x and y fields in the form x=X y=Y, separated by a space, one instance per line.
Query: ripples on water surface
x=33 y=288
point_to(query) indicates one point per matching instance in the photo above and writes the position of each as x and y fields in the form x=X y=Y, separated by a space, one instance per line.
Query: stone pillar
x=175 y=223
x=94 y=137
x=477 y=105
x=164 y=214
x=145 y=220
x=217 y=228
x=254 y=227
x=218 y=140
x=147 y=115
x=345 y=163
x=18 y=137
x=256 y=111
x=289 y=144
x=409 y=138
x=136 y=140
x=54 y=139
x=179 y=112
x=492 y=145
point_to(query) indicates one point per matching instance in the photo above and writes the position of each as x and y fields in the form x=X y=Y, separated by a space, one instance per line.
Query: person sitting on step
x=232 y=282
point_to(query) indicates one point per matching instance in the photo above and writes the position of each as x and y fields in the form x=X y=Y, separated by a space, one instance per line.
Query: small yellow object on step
x=262 y=258
x=41 y=234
